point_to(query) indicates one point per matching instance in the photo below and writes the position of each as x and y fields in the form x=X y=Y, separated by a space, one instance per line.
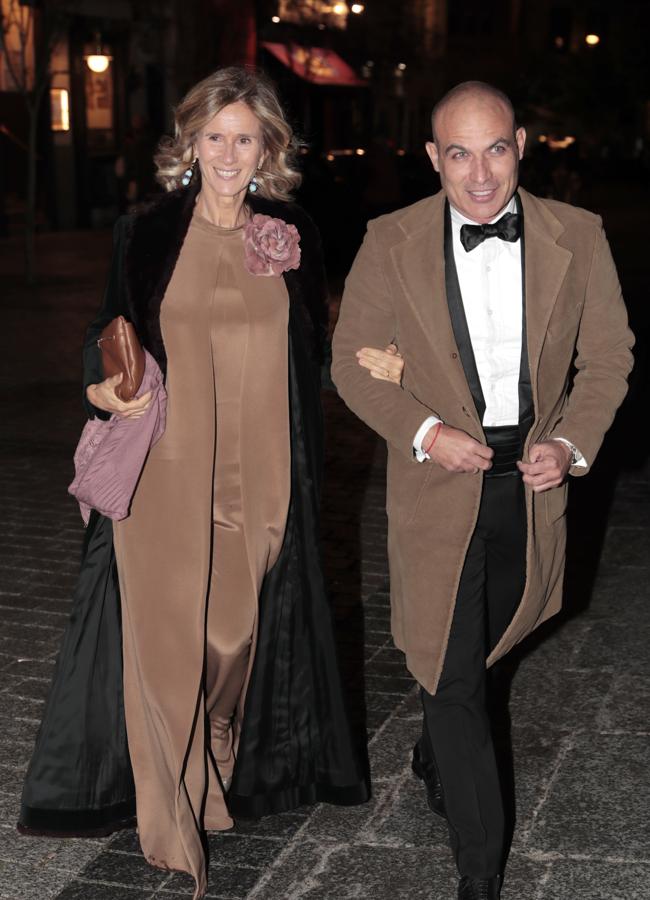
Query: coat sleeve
x=603 y=359
x=114 y=304
x=367 y=319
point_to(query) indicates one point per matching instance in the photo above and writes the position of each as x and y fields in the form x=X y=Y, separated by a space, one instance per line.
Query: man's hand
x=455 y=451
x=103 y=396
x=549 y=465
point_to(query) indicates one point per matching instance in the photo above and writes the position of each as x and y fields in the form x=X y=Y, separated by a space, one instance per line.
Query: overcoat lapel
x=419 y=260
x=546 y=265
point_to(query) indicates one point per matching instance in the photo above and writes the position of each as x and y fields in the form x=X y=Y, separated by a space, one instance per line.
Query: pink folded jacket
x=111 y=453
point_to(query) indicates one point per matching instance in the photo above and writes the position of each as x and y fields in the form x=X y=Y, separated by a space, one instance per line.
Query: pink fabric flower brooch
x=271 y=246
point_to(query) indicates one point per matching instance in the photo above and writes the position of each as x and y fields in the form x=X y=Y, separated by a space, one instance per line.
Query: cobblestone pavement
x=579 y=743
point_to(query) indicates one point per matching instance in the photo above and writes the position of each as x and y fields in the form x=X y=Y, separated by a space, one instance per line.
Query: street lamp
x=98 y=61
x=592 y=39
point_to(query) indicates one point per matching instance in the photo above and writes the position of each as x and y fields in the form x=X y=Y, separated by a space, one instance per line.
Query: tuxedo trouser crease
x=456 y=727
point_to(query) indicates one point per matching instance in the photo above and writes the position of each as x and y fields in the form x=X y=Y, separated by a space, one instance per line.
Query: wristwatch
x=575 y=453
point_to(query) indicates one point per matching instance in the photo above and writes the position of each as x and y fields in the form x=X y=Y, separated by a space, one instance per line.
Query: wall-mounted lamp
x=99 y=60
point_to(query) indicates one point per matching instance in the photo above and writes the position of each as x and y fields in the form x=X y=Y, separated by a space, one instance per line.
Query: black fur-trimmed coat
x=295 y=746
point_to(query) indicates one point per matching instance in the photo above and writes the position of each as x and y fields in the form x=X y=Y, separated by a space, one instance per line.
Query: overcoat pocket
x=410 y=511
x=555 y=501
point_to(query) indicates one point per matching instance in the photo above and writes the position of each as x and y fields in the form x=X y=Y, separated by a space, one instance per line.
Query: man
x=492 y=296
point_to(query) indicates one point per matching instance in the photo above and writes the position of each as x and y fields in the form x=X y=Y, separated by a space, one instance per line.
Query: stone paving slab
x=598 y=801
x=608 y=879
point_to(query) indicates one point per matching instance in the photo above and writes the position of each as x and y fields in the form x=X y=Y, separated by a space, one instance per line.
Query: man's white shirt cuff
x=428 y=423
x=580 y=461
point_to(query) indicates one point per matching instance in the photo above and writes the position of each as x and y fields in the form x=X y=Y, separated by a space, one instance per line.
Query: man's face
x=477 y=155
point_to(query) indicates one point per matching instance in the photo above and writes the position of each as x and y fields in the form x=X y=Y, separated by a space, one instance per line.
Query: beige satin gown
x=206 y=524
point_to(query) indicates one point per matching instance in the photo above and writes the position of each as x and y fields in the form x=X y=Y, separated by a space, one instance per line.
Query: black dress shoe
x=479 y=888
x=426 y=772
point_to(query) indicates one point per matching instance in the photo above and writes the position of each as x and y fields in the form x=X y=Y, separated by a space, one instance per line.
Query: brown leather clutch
x=122 y=352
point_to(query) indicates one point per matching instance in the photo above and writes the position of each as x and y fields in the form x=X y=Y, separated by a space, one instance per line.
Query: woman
x=229 y=672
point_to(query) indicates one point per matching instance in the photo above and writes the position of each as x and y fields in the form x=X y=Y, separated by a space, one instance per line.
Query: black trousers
x=456 y=734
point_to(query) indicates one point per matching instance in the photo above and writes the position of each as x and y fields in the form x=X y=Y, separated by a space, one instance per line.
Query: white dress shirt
x=490 y=280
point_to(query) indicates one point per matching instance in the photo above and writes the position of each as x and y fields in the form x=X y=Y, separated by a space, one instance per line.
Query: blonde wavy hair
x=278 y=177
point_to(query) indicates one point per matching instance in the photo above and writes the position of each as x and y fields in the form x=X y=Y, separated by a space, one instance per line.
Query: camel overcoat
x=575 y=317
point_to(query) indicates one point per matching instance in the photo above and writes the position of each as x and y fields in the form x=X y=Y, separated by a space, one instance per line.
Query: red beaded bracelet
x=427 y=450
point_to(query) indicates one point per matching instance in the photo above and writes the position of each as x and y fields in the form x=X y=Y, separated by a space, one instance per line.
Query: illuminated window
x=60 y=109
x=321 y=13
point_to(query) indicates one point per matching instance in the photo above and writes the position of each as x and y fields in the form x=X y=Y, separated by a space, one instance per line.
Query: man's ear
x=520 y=137
x=432 y=152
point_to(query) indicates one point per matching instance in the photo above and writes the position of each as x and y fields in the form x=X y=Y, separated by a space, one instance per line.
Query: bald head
x=474 y=93
x=476 y=149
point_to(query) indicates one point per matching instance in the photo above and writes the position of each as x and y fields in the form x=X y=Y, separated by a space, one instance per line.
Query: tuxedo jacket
x=575 y=317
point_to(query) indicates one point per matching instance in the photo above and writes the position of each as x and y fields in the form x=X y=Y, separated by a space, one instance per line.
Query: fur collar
x=154 y=239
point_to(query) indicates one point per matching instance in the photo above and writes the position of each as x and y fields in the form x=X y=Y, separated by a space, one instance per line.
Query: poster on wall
x=99 y=107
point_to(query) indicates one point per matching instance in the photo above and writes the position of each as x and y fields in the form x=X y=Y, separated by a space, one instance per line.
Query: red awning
x=315 y=64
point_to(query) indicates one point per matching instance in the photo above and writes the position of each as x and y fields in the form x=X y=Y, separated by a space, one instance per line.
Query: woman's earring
x=187 y=174
x=252 y=187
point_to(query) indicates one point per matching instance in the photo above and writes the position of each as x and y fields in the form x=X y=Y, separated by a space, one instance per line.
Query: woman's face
x=229 y=150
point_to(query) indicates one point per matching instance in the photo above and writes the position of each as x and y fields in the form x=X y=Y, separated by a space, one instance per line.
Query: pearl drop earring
x=187 y=174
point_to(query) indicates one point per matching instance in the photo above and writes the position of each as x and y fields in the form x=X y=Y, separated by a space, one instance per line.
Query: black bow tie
x=508 y=228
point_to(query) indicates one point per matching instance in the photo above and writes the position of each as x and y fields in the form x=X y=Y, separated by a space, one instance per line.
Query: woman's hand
x=103 y=396
x=386 y=365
